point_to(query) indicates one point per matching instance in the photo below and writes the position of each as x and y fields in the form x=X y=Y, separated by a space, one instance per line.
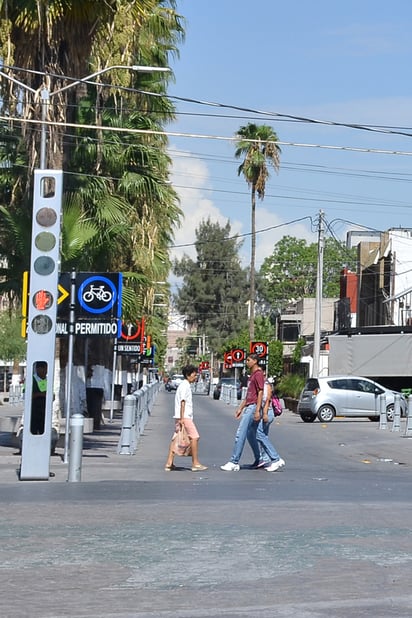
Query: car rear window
x=311 y=384
x=341 y=384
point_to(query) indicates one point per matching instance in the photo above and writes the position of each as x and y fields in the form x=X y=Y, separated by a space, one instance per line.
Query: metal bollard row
x=396 y=424
x=136 y=410
x=229 y=394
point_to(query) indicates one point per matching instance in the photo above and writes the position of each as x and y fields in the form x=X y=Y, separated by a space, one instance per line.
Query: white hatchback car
x=174 y=382
x=327 y=397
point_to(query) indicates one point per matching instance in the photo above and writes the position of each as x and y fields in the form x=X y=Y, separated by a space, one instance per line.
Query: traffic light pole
x=41 y=324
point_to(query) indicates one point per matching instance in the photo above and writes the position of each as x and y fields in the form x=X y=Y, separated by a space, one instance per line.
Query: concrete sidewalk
x=99 y=447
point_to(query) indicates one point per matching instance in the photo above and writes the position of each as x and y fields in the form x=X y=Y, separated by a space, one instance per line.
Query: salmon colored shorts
x=192 y=432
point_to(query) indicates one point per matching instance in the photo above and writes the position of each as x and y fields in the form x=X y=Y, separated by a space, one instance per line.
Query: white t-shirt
x=184 y=393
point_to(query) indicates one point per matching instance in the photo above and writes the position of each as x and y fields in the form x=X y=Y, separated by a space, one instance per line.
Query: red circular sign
x=259 y=347
x=238 y=355
x=130 y=331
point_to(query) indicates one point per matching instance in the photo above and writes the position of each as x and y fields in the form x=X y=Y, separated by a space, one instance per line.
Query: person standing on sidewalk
x=249 y=413
x=269 y=457
x=183 y=415
x=38 y=408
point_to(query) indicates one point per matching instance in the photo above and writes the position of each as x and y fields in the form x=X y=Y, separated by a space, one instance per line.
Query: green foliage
x=291 y=385
x=214 y=289
x=256 y=144
x=12 y=344
x=240 y=340
x=289 y=274
x=297 y=352
x=275 y=366
x=264 y=330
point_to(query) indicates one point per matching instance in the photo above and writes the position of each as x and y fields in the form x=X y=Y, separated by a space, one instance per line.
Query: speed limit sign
x=261 y=349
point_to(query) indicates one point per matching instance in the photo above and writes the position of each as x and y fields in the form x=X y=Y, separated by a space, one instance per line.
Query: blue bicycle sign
x=97 y=294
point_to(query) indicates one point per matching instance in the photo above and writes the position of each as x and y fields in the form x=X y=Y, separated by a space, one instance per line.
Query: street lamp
x=43 y=292
x=46 y=95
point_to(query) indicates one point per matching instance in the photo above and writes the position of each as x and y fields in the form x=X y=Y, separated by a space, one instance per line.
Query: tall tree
x=289 y=274
x=214 y=290
x=257 y=144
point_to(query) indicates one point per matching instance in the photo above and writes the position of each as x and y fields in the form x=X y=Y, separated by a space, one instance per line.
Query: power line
x=203 y=136
x=391 y=130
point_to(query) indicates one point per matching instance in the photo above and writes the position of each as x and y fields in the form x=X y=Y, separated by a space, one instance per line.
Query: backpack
x=276 y=405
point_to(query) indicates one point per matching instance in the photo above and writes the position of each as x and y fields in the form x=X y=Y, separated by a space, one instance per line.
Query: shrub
x=290 y=385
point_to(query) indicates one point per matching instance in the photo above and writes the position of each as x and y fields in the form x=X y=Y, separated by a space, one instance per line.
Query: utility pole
x=318 y=301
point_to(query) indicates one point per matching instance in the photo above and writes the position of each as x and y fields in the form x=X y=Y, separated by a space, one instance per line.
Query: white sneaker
x=230 y=467
x=281 y=462
x=275 y=465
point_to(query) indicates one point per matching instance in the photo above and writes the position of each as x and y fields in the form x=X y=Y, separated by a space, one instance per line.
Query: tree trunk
x=252 y=269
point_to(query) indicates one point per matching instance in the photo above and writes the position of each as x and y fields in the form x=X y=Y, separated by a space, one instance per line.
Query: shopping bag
x=181 y=444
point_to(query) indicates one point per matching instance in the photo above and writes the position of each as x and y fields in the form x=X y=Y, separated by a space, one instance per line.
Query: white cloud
x=191 y=179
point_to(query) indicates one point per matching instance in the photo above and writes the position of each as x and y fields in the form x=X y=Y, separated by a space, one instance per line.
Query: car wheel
x=390 y=413
x=326 y=413
x=307 y=418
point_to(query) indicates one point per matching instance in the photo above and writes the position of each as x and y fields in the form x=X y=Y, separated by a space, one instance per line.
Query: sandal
x=199 y=468
x=169 y=468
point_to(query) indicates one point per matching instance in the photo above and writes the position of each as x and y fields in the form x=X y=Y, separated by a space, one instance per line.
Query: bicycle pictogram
x=97 y=292
x=97 y=295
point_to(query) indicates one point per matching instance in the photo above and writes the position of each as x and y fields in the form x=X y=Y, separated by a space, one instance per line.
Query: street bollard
x=383 y=421
x=75 y=448
x=408 y=430
x=396 y=425
x=125 y=445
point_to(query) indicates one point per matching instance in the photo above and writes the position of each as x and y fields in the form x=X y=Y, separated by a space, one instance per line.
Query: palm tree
x=120 y=184
x=258 y=145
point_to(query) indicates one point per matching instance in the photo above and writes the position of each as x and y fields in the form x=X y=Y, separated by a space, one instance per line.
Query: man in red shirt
x=251 y=409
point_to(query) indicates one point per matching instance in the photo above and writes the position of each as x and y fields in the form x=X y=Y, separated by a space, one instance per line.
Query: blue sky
x=346 y=62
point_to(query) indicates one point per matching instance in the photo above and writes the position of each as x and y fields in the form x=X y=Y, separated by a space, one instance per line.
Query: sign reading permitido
x=97 y=307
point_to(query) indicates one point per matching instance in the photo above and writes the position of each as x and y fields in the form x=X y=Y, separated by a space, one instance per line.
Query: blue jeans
x=246 y=431
x=268 y=452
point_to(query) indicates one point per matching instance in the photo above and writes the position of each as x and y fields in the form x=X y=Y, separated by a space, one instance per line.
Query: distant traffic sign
x=238 y=357
x=132 y=331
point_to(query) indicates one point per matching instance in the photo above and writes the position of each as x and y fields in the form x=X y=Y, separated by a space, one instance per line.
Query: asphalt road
x=329 y=535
